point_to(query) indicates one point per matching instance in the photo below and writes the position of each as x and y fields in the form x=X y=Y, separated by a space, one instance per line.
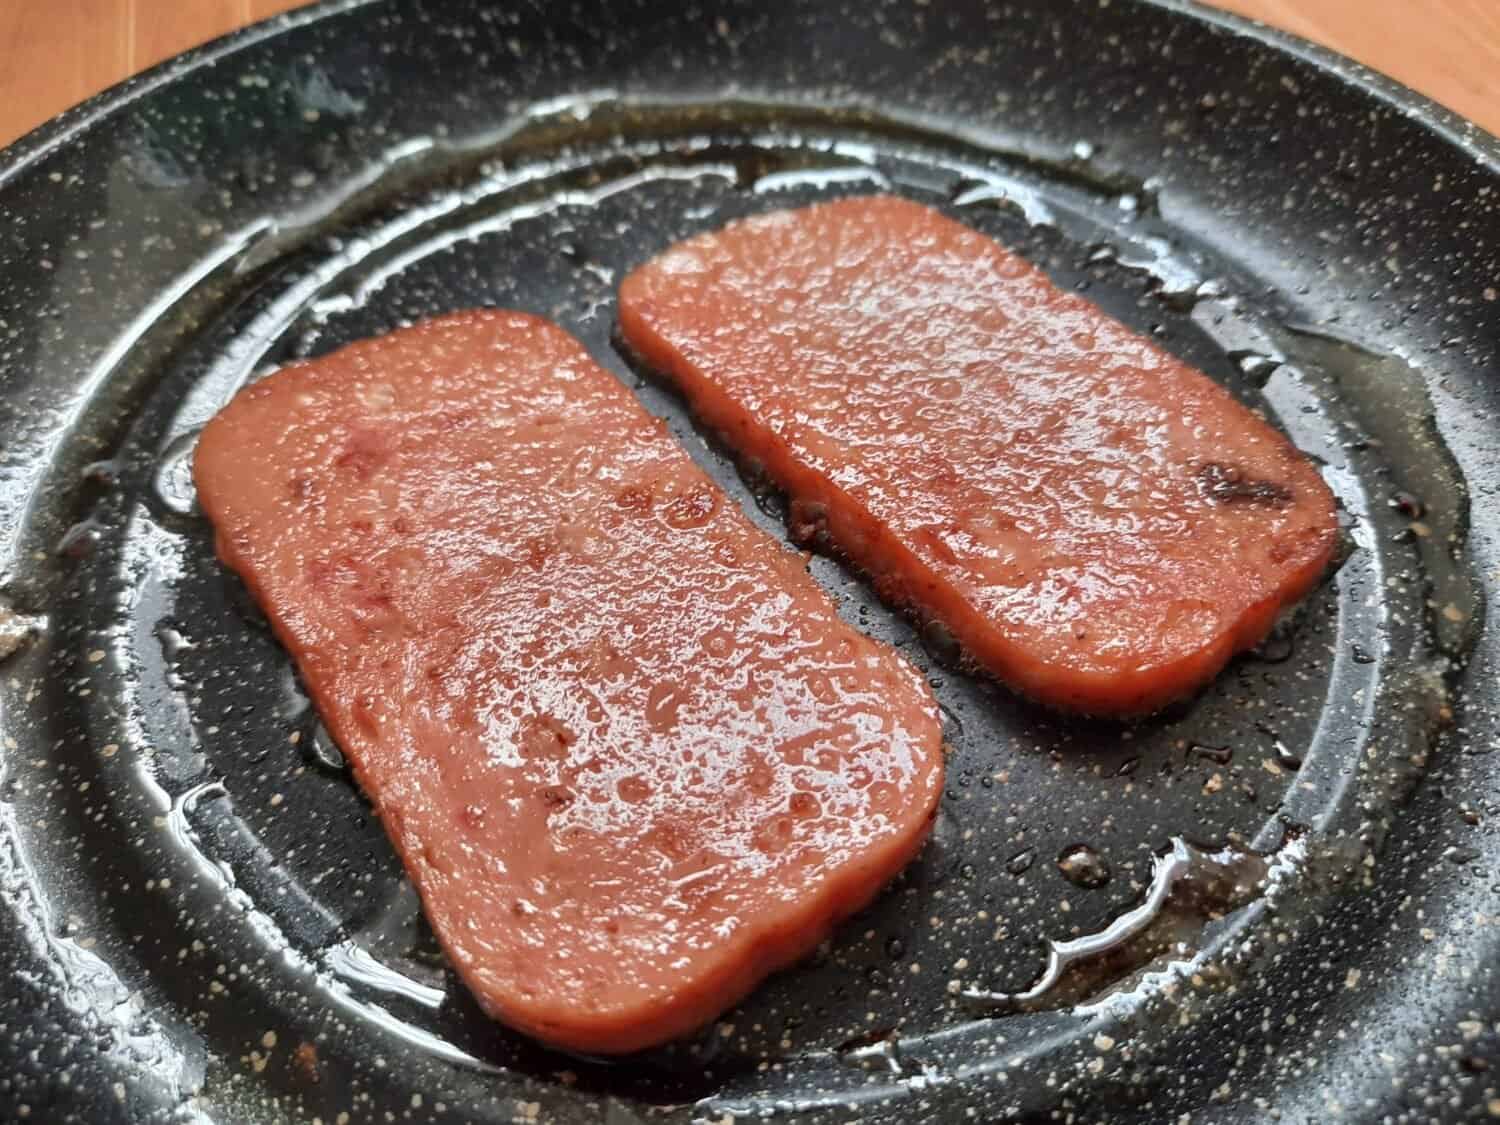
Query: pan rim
x=1447 y=125
x=1478 y=150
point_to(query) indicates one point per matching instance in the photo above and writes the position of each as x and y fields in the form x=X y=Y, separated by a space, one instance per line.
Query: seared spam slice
x=631 y=757
x=1097 y=523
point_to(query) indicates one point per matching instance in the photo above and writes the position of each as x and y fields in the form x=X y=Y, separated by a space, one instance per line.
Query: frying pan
x=1278 y=897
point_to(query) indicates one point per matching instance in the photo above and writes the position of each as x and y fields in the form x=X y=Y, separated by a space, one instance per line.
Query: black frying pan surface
x=1280 y=896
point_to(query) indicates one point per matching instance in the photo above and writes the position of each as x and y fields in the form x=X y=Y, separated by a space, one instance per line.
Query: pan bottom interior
x=286 y=922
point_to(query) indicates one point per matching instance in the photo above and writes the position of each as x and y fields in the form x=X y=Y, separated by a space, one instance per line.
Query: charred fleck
x=1227 y=484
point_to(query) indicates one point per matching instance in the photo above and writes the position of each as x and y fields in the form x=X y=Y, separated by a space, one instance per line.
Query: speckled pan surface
x=1282 y=895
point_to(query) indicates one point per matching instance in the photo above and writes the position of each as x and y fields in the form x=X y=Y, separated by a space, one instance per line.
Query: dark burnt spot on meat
x=808 y=522
x=1227 y=484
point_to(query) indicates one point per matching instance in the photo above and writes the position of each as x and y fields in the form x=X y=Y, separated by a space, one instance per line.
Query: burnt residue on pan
x=1277 y=895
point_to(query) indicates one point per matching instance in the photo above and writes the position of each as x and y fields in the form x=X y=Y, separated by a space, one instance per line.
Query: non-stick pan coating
x=200 y=918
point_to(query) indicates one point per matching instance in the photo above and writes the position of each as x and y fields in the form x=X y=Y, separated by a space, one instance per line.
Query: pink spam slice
x=632 y=759
x=1096 y=522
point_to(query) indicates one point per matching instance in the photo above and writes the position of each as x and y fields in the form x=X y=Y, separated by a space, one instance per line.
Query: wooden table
x=54 y=53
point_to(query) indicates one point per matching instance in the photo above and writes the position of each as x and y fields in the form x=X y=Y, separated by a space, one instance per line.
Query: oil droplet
x=1082 y=866
x=1015 y=198
x=16 y=629
x=173 y=480
x=1190 y=886
x=1277 y=648
x=1408 y=505
x=941 y=644
x=768 y=498
x=1394 y=405
x=1460 y=855
x=952 y=723
x=1286 y=758
x=1021 y=862
x=79 y=541
x=324 y=750
x=294 y=701
x=106 y=473
x=1360 y=656
x=875 y=1050
x=173 y=643
x=770 y=502
x=1256 y=366
x=895 y=948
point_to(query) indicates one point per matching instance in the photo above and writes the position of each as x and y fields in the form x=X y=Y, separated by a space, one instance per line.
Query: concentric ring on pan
x=167 y=838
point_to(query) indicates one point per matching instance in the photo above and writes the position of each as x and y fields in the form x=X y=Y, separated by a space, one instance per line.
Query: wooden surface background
x=55 y=53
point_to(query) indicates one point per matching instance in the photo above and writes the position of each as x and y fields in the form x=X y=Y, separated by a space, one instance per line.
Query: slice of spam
x=631 y=757
x=1096 y=522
